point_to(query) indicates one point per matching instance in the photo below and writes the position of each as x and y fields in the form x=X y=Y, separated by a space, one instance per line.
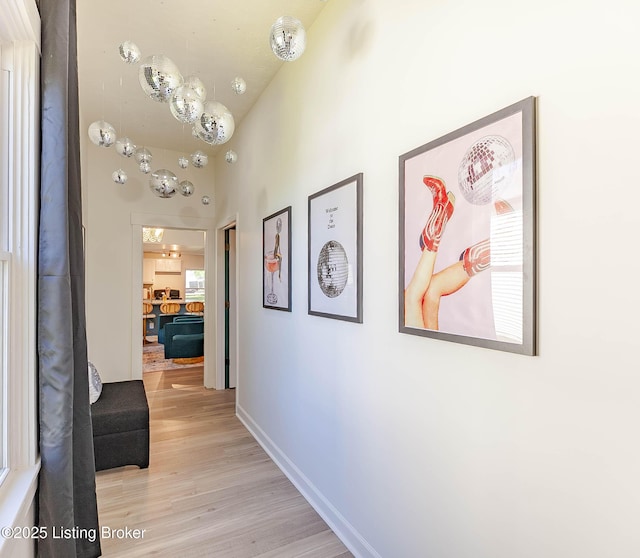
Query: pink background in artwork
x=469 y=311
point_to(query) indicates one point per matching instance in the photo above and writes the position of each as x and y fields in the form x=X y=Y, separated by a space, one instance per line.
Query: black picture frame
x=276 y=237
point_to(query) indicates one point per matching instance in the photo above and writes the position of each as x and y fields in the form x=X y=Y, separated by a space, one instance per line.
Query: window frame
x=20 y=56
x=200 y=298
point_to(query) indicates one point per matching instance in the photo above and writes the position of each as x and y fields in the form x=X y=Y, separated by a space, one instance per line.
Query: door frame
x=139 y=220
x=228 y=223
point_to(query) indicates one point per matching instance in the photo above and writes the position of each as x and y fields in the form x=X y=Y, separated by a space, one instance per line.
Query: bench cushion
x=122 y=407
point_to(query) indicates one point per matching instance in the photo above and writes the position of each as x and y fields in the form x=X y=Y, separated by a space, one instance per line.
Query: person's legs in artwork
x=473 y=260
x=443 y=203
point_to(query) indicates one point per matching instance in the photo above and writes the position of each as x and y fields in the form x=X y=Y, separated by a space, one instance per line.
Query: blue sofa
x=184 y=339
x=180 y=318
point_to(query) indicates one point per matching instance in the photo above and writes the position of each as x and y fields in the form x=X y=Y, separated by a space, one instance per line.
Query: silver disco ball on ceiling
x=163 y=183
x=102 y=133
x=206 y=200
x=159 y=77
x=185 y=105
x=125 y=147
x=186 y=188
x=119 y=176
x=129 y=52
x=287 y=38
x=199 y=159
x=145 y=167
x=183 y=162
x=143 y=155
x=231 y=156
x=216 y=124
x=239 y=85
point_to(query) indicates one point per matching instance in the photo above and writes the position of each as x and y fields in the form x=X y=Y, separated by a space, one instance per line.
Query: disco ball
x=199 y=159
x=159 y=77
x=143 y=155
x=183 y=162
x=186 y=188
x=119 y=176
x=206 y=200
x=332 y=269
x=238 y=85
x=185 y=105
x=102 y=133
x=125 y=147
x=216 y=124
x=287 y=38
x=145 y=167
x=486 y=169
x=129 y=52
x=231 y=156
x=163 y=183
x=195 y=83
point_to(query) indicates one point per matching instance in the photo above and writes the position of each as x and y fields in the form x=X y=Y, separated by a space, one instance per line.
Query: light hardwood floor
x=210 y=489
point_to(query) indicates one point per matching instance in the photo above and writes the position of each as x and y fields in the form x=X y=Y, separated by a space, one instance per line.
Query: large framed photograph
x=276 y=268
x=468 y=231
x=335 y=251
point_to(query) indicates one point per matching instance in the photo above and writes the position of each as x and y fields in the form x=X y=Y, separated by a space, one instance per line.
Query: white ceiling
x=215 y=39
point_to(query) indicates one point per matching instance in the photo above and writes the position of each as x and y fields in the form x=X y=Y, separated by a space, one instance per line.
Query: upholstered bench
x=120 y=420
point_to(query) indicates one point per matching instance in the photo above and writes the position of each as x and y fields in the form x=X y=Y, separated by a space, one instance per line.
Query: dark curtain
x=66 y=493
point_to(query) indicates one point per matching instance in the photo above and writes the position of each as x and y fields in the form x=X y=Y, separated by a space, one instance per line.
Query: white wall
x=418 y=447
x=113 y=304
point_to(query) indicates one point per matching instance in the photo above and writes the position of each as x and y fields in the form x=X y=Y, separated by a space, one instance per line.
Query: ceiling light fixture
x=152 y=234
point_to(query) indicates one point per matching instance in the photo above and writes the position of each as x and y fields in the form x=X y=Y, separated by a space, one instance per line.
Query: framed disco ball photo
x=276 y=268
x=467 y=234
x=335 y=251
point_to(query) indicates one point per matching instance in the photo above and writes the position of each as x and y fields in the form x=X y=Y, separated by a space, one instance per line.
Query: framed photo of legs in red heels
x=467 y=234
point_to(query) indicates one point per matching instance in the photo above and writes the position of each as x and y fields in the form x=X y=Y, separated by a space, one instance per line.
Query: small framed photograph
x=335 y=251
x=467 y=234
x=276 y=261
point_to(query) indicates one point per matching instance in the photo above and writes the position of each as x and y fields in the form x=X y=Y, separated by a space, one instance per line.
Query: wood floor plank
x=210 y=489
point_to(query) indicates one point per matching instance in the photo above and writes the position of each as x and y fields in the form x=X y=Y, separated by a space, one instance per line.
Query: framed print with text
x=467 y=234
x=276 y=268
x=335 y=251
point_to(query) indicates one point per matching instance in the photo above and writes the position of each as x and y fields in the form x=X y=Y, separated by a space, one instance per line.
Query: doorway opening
x=173 y=283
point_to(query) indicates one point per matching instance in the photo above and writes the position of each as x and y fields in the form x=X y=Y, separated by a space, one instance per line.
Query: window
x=19 y=164
x=194 y=285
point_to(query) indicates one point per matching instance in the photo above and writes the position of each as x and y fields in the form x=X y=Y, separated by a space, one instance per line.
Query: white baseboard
x=358 y=546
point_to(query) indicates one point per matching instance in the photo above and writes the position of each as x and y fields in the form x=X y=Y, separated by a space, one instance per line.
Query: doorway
x=140 y=220
x=174 y=284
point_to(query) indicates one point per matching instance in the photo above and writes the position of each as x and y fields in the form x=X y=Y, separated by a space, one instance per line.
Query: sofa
x=184 y=339
x=179 y=318
x=120 y=420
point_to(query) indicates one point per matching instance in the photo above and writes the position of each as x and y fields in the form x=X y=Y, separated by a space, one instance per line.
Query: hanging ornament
x=195 y=83
x=125 y=147
x=288 y=38
x=231 y=156
x=129 y=52
x=183 y=162
x=102 y=133
x=199 y=159
x=163 y=183
x=185 y=105
x=238 y=85
x=145 y=167
x=216 y=124
x=186 y=188
x=143 y=155
x=159 y=77
x=119 y=176
x=206 y=200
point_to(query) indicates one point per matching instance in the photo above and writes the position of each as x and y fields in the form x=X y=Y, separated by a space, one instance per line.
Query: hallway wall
x=418 y=447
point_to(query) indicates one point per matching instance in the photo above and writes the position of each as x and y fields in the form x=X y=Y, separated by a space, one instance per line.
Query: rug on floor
x=153 y=359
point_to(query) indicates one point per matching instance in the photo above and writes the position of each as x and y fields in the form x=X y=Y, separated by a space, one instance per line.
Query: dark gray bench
x=120 y=420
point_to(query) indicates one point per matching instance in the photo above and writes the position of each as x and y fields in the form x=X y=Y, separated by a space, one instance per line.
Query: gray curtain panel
x=66 y=493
